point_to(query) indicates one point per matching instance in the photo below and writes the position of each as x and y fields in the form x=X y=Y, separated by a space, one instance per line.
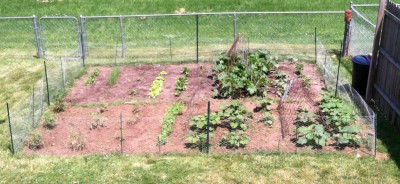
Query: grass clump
x=49 y=120
x=34 y=141
x=114 y=76
x=168 y=121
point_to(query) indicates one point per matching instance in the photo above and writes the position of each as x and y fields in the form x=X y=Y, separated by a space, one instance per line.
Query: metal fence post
x=37 y=38
x=197 y=38
x=315 y=44
x=121 y=29
x=234 y=25
x=33 y=107
x=62 y=73
x=121 y=139
x=338 y=69
x=47 y=84
x=208 y=127
x=83 y=40
x=9 y=125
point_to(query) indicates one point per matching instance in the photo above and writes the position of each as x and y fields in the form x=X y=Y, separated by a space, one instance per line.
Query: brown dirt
x=142 y=117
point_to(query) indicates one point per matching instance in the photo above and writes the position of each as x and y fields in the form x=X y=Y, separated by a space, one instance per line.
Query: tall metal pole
x=33 y=107
x=9 y=125
x=208 y=127
x=37 y=38
x=234 y=26
x=121 y=29
x=83 y=40
x=47 y=84
x=315 y=44
x=338 y=69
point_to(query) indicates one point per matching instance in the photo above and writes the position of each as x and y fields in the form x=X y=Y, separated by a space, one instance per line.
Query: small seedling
x=299 y=68
x=77 y=141
x=185 y=71
x=97 y=121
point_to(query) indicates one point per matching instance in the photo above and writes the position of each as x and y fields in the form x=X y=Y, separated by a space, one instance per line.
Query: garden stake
x=9 y=125
x=121 y=139
x=208 y=127
x=338 y=70
x=197 y=38
x=62 y=73
x=47 y=84
x=315 y=43
x=33 y=106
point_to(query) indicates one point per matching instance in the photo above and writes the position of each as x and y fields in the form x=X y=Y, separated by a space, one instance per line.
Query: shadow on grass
x=388 y=138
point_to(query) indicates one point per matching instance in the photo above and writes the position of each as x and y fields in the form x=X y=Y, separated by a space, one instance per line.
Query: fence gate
x=60 y=38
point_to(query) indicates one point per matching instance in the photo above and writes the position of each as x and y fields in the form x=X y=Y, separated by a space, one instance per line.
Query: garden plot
x=163 y=108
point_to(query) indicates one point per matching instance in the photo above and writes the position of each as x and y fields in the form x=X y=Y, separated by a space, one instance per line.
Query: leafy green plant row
x=112 y=80
x=338 y=125
x=156 y=87
x=168 y=121
x=182 y=81
x=92 y=76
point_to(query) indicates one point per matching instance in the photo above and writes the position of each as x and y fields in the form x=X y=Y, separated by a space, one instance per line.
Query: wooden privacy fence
x=385 y=67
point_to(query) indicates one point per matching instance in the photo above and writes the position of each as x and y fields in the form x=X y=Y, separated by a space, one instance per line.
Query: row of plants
x=169 y=118
x=92 y=76
x=156 y=87
x=182 y=81
x=336 y=124
x=112 y=80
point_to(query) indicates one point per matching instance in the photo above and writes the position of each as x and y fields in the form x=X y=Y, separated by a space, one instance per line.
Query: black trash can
x=361 y=65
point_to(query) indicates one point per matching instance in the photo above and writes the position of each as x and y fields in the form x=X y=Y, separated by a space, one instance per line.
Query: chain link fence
x=172 y=39
x=27 y=114
x=17 y=37
x=362 y=28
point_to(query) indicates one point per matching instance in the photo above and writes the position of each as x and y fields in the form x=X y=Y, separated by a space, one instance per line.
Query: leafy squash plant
x=313 y=134
x=198 y=130
x=235 y=77
x=235 y=139
x=264 y=105
x=310 y=131
x=236 y=115
x=347 y=136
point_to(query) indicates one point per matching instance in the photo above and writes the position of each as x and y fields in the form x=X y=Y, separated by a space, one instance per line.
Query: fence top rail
x=364 y=5
x=363 y=17
x=217 y=13
x=27 y=17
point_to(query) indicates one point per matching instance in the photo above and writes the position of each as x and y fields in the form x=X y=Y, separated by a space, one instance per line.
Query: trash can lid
x=362 y=60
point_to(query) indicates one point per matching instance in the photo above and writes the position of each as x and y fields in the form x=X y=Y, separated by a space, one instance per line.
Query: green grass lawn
x=20 y=72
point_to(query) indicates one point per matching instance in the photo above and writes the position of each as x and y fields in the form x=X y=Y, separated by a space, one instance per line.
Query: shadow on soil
x=388 y=138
